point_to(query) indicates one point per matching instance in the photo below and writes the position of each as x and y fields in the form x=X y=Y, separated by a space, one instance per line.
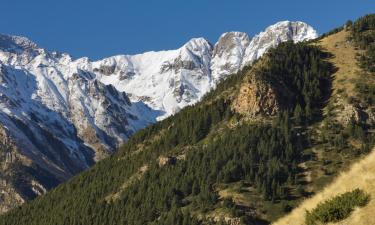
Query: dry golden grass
x=361 y=175
x=238 y=198
x=344 y=59
x=346 y=76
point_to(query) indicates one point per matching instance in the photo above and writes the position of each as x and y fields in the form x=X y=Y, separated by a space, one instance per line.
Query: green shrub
x=228 y=203
x=337 y=208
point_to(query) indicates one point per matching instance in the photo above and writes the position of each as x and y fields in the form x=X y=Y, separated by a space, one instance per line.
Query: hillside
x=360 y=175
x=60 y=115
x=265 y=139
x=350 y=77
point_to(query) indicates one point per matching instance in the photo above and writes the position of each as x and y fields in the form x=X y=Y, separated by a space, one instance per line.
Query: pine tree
x=298 y=114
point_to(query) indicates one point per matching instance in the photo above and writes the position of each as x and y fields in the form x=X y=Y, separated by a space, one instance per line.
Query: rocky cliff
x=59 y=114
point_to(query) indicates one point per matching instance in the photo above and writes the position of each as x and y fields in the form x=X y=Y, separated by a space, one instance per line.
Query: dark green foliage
x=175 y=216
x=228 y=203
x=302 y=75
x=334 y=31
x=286 y=207
x=356 y=130
x=264 y=155
x=363 y=34
x=367 y=91
x=337 y=208
x=348 y=24
x=298 y=114
x=362 y=30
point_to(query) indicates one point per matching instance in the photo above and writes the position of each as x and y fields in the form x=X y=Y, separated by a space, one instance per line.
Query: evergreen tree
x=298 y=114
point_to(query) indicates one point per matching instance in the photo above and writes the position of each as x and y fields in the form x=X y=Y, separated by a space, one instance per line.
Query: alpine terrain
x=60 y=115
x=265 y=142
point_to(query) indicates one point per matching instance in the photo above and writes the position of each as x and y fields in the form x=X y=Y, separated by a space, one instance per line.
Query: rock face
x=58 y=115
x=256 y=98
x=166 y=81
x=56 y=120
x=234 y=50
x=274 y=35
x=166 y=160
x=170 y=80
x=9 y=197
x=229 y=54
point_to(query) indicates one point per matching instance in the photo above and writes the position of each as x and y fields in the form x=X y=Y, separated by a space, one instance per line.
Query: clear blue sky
x=98 y=29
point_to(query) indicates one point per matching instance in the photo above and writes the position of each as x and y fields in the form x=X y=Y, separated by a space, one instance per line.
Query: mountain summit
x=58 y=115
x=170 y=80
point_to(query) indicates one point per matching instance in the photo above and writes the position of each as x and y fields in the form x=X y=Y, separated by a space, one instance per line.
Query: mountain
x=355 y=59
x=170 y=80
x=55 y=125
x=60 y=115
x=234 y=50
x=252 y=149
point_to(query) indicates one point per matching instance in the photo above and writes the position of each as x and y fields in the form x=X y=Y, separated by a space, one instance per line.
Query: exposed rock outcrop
x=166 y=160
x=256 y=98
x=63 y=114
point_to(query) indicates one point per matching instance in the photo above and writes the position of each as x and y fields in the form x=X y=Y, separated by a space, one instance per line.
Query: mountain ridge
x=254 y=148
x=187 y=160
x=64 y=114
x=250 y=151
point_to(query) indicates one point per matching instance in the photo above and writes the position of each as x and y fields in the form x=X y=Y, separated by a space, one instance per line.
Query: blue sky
x=99 y=29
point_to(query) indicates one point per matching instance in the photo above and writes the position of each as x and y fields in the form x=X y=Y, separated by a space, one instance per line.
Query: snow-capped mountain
x=58 y=115
x=170 y=80
x=234 y=50
x=166 y=81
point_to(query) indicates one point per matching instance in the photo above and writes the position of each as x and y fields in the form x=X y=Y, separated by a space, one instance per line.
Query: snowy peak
x=296 y=31
x=228 y=54
x=170 y=80
x=164 y=81
x=234 y=50
x=59 y=116
x=230 y=40
x=63 y=114
x=275 y=34
x=197 y=51
x=198 y=45
x=16 y=44
x=193 y=55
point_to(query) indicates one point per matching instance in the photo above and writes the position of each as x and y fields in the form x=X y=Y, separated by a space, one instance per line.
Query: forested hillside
x=248 y=153
x=353 y=47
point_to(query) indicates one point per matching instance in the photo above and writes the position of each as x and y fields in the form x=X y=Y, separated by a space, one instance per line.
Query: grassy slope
x=343 y=89
x=105 y=187
x=344 y=58
x=316 y=173
x=126 y=169
x=347 y=181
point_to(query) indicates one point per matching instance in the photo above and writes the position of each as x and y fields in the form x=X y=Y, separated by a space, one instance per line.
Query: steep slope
x=264 y=140
x=353 y=97
x=55 y=124
x=166 y=81
x=188 y=168
x=347 y=181
x=60 y=115
x=170 y=80
x=234 y=50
